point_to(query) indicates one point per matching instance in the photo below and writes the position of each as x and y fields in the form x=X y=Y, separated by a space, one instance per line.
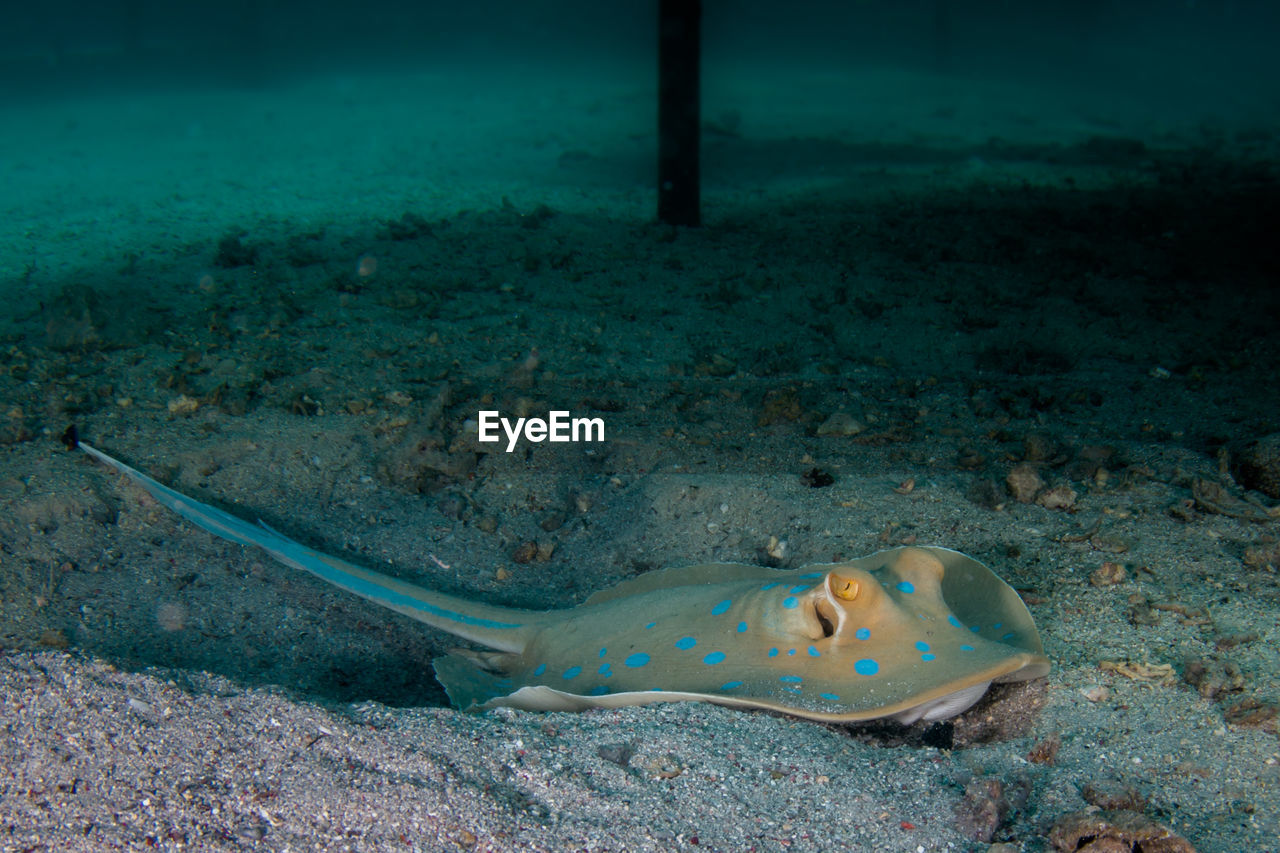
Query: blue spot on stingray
x=976 y=628
x=572 y=672
x=773 y=653
x=791 y=652
x=866 y=666
x=791 y=679
x=862 y=634
x=790 y=602
x=800 y=587
x=605 y=670
x=769 y=586
x=542 y=667
x=814 y=653
x=954 y=621
x=742 y=627
x=686 y=643
x=713 y=658
x=928 y=657
x=830 y=697
x=966 y=648
x=650 y=625
x=603 y=652
x=731 y=685
x=997 y=626
x=922 y=646
x=721 y=607
x=1008 y=636
x=809 y=576
x=638 y=659
x=598 y=691
x=905 y=586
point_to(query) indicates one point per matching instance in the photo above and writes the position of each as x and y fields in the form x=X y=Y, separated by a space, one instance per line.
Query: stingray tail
x=503 y=628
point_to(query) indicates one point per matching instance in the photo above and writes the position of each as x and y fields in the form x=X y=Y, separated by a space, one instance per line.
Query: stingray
x=911 y=633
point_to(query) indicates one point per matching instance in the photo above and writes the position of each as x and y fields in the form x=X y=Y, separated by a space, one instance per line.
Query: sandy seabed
x=1023 y=329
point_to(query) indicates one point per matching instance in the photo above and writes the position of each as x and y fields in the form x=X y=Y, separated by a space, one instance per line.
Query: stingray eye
x=845 y=588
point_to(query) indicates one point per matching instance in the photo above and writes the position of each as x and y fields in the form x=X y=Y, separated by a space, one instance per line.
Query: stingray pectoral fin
x=470 y=682
x=501 y=628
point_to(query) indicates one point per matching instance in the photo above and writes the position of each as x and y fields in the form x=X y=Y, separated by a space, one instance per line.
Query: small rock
x=1024 y=482
x=1237 y=638
x=183 y=405
x=780 y=406
x=969 y=459
x=1251 y=713
x=232 y=251
x=1096 y=692
x=1061 y=497
x=53 y=638
x=1257 y=465
x=251 y=832
x=1045 y=751
x=619 y=753
x=451 y=506
x=1039 y=447
x=421 y=463
x=985 y=493
x=665 y=766
x=525 y=553
x=1211 y=676
x=717 y=365
x=1114 y=832
x=1108 y=574
x=841 y=423
x=816 y=478
x=1092 y=463
x=1262 y=557
x=982 y=810
x=1111 y=794
x=1109 y=544
x=1210 y=496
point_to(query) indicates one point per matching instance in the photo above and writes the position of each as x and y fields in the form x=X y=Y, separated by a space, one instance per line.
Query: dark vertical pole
x=679 y=111
x=942 y=35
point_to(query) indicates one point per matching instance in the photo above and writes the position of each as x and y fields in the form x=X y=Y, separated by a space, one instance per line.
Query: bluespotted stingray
x=915 y=633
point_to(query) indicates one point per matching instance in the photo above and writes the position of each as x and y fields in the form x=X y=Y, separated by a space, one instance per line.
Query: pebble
x=1096 y=693
x=1115 y=830
x=1108 y=574
x=1061 y=497
x=1024 y=482
x=1257 y=465
x=841 y=424
x=183 y=405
